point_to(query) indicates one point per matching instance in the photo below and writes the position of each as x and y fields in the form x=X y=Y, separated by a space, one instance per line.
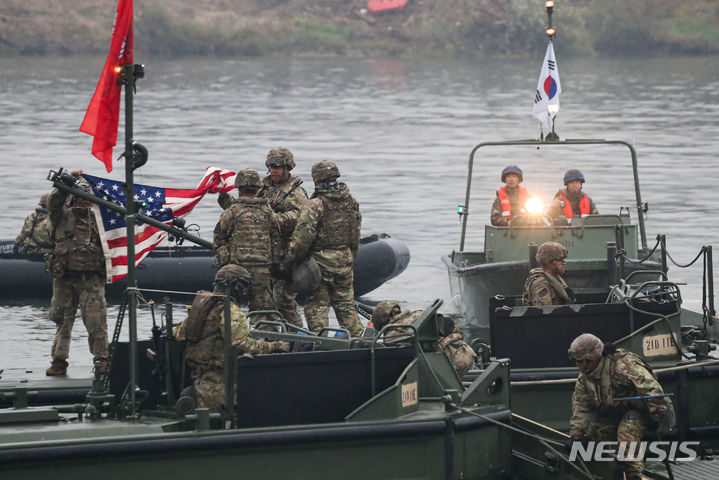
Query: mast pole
x=131 y=291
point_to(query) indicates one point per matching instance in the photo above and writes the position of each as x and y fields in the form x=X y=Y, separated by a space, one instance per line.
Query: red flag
x=103 y=113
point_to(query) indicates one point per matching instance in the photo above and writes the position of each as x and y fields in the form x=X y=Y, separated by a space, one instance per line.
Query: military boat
x=379 y=259
x=624 y=295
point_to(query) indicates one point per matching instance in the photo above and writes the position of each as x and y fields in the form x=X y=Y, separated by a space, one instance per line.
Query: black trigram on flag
x=537 y=97
x=550 y=64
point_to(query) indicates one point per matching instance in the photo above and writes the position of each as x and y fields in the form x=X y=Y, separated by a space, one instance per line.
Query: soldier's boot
x=58 y=367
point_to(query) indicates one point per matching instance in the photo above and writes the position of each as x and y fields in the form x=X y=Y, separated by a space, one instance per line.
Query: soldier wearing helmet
x=77 y=265
x=248 y=234
x=451 y=339
x=328 y=228
x=608 y=373
x=510 y=198
x=545 y=285
x=35 y=236
x=286 y=197
x=203 y=332
x=571 y=202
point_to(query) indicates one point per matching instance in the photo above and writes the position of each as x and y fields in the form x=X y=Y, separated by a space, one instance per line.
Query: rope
x=701 y=252
x=623 y=254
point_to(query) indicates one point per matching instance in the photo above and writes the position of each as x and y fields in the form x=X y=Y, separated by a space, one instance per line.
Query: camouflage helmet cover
x=324 y=171
x=572 y=175
x=247 y=178
x=586 y=346
x=280 y=157
x=44 y=199
x=232 y=275
x=550 y=251
x=512 y=169
x=382 y=312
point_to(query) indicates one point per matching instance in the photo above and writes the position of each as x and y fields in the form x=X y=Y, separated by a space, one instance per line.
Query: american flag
x=162 y=204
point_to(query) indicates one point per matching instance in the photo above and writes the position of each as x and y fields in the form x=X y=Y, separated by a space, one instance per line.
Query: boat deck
x=696 y=469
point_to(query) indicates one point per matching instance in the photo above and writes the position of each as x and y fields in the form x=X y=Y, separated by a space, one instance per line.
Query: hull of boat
x=188 y=269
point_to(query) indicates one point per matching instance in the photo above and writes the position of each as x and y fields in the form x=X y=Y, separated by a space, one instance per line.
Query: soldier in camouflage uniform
x=35 y=236
x=453 y=345
x=606 y=373
x=286 y=198
x=545 y=285
x=328 y=228
x=203 y=331
x=77 y=265
x=248 y=234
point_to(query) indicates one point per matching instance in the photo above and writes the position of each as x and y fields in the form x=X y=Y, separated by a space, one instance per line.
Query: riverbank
x=347 y=28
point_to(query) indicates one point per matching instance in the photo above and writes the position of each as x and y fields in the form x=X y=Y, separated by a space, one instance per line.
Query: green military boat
x=624 y=295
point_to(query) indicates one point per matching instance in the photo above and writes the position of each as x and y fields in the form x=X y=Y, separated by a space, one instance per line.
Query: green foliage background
x=345 y=27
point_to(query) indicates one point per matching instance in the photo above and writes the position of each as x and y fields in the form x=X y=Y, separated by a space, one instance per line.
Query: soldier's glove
x=281 y=347
x=571 y=441
x=655 y=420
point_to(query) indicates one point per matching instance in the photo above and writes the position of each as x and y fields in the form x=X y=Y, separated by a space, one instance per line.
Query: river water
x=401 y=133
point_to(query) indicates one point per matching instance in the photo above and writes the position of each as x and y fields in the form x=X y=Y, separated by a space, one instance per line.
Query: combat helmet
x=512 y=169
x=280 y=157
x=586 y=346
x=325 y=171
x=233 y=275
x=572 y=175
x=247 y=179
x=382 y=313
x=44 y=199
x=550 y=251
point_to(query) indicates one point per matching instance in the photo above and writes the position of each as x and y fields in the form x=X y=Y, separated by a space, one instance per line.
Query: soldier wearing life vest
x=35 y=237
x=571 y=202
x=511 y=197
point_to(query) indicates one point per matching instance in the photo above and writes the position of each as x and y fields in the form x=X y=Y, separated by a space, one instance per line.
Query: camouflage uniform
x=287 y=209
x=597 y=416
x=78 y=267
x=453 y=345
x=328 y=228
x=542 y=288
x=204 y=331
x=36 y=234
x=248 y=235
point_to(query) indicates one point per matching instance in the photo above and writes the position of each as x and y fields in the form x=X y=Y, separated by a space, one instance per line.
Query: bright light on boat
x=534 y=206
x=118 y=69
x=551 y=31
x=549 y=3
x=553 y=107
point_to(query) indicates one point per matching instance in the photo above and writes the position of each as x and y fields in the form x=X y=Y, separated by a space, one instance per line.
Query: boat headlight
x=534 y=206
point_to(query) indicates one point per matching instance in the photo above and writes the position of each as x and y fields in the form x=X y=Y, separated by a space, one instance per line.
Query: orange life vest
x=506 y=205
x=583 y=206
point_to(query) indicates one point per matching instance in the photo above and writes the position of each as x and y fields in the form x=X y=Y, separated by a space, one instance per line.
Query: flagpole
x=131 y=291
x=551 y=31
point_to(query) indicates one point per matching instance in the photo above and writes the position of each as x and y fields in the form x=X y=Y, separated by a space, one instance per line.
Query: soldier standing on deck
x=248 y=234
x=545 y=285
x=286 y=198
x=608 y=373
x=328 y=229
x=77 y=265
x=34 y=238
